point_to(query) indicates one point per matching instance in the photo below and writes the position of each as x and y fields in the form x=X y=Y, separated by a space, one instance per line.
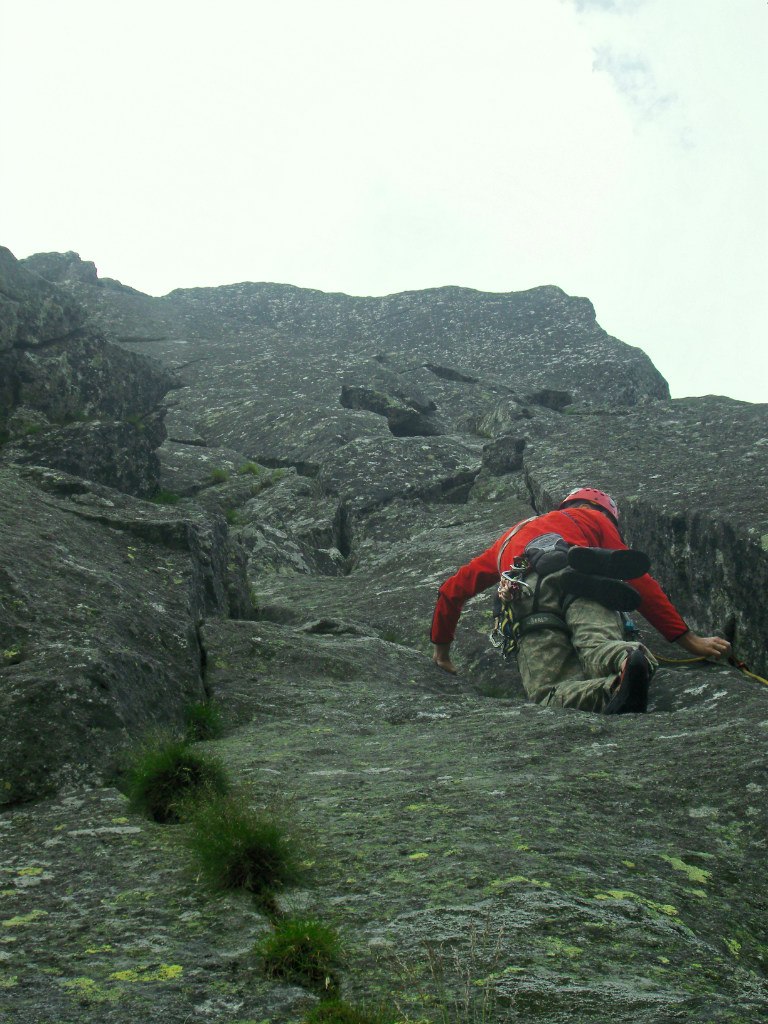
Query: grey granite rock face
x=102 y=599
x=69 y=399
x=485 y=859
x=33 y=313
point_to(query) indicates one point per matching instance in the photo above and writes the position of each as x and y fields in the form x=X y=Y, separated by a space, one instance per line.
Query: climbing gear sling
x=509 y=627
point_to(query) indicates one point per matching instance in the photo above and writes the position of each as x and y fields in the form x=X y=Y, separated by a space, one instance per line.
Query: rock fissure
x=446 y=373
x=48 y=343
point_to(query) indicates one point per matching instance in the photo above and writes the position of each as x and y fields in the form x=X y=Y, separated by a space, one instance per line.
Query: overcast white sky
x=616 y=148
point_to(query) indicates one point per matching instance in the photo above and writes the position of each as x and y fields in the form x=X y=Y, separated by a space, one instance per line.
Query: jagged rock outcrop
x=348 y=454
x=69 y=399
x=102 y=594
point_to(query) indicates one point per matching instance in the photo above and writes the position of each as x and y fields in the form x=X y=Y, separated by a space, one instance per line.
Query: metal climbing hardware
x=512 y=584
x=503 y=635
x=512 y=587
x=509 y=627
x=631 y=628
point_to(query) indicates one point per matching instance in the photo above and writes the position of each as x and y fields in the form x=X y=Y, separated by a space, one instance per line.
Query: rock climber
x=567 y=575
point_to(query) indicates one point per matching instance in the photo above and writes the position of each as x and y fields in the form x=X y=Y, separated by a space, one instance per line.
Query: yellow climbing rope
x=743 y=668
x=740 y=665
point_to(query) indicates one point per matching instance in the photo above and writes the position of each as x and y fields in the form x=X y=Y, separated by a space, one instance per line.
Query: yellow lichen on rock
x=163 y=972
x=22 y=919
x=694 y=874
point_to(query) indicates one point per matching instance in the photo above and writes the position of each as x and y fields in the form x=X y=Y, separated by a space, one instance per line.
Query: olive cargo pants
x=576 y=670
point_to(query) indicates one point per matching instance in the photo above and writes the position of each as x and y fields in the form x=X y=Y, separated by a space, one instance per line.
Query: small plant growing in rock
x=337 y=1011
x=460 y=978
x=305 y=951
x=249 y=469
x=239 y=847
x=162 y=497
x=219 y=476
x=232 y=516
x=203 y=721
x=165 y=775
x=12 y=655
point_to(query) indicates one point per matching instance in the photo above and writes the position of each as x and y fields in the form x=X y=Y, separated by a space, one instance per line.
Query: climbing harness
x=509 y=633
x=508 y=630
x=630 y=627
x=512 y=587
x=509 y=627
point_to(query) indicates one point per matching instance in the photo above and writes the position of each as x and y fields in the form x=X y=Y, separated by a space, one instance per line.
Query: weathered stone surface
x=32 y=312
x=187 y=468
x=409 y=412
x=63 y=268
x=467 y=825
x=69 y=399
x=562 y=866
x=370 y=472
x=103 y=921
x=84 y=377
x=102 y=597
x=538 y=341
x=115 y=453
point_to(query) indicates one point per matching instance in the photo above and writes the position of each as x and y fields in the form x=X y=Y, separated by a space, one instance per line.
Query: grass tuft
x=249 y=469
x=336 y=1011
x=162 y=497
x=203 y=721
x=165 y=774
x=219 y=476
x=304 y=951
x=239 y=847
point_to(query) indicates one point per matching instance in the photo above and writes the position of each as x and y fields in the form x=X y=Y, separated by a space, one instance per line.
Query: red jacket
x=583 y=526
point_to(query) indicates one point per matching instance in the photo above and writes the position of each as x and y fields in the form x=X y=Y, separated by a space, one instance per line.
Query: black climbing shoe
x=618 y=565
x=631 y=694
x=613 y=594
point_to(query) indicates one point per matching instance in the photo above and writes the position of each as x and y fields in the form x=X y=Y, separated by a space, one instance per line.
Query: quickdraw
x=509 y=627
x=512 y=587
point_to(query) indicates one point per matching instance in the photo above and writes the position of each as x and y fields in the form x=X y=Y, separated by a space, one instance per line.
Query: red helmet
x=595 y=497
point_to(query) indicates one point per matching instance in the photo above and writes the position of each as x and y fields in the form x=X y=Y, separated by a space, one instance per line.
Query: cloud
x=633 y=78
